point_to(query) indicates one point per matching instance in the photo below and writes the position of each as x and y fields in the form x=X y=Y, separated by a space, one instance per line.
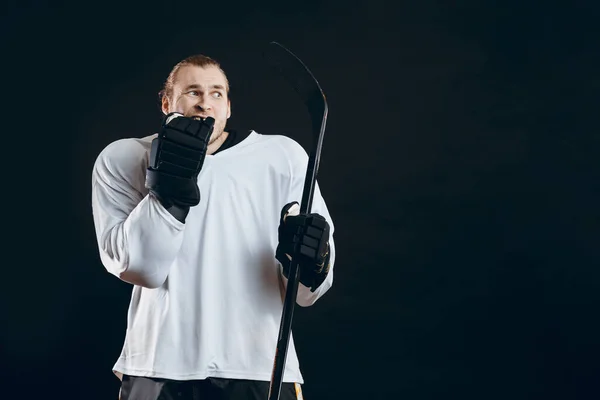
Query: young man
x=202 y=221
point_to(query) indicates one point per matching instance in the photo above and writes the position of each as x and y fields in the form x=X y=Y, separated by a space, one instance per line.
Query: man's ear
x=228 y=108
x=165 y=105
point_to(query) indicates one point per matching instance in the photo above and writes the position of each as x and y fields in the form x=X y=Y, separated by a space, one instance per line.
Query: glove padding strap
x=176 y=158
x=305 y=238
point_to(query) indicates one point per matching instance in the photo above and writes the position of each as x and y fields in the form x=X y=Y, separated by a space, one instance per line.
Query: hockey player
x=202 y=221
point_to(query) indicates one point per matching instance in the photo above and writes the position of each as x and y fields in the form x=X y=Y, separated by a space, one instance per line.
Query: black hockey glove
x=306 y=239
x=176 y=159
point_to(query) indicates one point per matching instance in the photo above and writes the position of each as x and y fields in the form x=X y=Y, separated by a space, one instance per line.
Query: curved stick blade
x=293 y=70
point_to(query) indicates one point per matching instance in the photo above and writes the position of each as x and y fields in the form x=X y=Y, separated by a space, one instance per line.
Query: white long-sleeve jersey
x=208 y=294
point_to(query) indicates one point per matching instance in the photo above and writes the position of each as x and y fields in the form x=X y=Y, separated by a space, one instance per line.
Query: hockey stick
x=307 y=87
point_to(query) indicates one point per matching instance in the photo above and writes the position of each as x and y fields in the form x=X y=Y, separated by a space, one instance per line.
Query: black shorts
x=140 y=388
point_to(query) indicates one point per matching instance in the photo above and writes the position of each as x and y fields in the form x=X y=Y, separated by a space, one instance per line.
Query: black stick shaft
x=291 y=293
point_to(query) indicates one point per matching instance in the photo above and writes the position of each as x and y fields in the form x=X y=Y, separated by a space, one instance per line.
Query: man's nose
x=203 y=105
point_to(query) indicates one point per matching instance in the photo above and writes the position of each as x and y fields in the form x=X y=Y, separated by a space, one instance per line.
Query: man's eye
x=193 y=93
x=218 y=94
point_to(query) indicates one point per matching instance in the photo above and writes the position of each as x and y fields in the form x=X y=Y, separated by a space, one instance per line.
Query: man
x=202 y=221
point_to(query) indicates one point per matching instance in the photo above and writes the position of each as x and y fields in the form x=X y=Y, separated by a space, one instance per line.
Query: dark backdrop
x=460 y=165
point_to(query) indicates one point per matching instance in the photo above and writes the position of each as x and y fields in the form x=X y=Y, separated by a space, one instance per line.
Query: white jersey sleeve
x=137 y=238
x=298 y=159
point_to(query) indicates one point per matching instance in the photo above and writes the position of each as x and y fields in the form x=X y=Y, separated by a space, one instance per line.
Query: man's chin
x=215 y=136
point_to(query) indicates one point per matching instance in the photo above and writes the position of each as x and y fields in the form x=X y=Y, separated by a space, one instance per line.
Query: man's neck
x=214 y=146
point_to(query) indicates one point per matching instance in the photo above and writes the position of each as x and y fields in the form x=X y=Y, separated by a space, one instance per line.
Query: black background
x=460 y=166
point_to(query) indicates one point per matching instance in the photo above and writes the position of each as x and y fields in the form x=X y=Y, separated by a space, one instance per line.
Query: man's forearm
x=140 y=249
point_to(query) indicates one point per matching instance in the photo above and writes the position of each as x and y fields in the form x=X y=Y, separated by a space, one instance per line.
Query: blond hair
x=198 y=60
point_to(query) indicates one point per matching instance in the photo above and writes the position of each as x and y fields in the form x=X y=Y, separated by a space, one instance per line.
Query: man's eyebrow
x=197 y=86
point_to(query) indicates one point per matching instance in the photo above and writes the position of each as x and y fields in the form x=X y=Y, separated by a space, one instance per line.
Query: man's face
x=201 y=92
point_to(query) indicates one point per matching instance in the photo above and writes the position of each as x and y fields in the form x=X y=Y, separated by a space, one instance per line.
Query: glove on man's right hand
x=176 y=158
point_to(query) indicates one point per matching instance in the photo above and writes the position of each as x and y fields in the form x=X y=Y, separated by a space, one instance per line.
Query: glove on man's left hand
x=305 y=238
